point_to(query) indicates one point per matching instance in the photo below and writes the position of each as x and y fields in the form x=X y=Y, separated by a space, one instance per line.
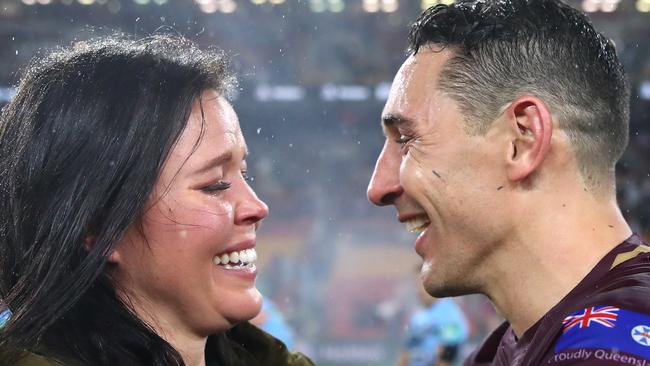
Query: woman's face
x=202 y=213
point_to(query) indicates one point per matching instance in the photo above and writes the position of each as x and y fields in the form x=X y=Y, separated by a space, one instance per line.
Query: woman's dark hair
x=81 y=146
x=503 y=49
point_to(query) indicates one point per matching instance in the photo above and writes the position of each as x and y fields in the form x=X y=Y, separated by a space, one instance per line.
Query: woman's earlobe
x=114 y=257
x=89 y=242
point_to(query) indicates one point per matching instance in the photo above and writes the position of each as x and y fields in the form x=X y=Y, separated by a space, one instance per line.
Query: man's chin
x=447 y=289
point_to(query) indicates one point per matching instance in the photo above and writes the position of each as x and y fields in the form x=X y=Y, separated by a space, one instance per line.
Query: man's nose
x=384 y=186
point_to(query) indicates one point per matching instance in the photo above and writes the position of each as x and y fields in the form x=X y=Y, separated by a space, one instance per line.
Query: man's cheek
x=416 y=164
x=416 y=176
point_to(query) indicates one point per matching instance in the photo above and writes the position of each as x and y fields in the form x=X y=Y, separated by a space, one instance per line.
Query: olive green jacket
x=252 y=346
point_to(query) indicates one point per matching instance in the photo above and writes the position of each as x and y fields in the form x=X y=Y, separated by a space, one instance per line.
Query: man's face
x=444 y=183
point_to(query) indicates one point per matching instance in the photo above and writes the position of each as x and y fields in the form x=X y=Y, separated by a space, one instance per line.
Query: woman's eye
x=217 y=187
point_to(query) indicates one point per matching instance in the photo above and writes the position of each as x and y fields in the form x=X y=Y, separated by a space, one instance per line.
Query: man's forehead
x=406 y=70
x=413 y=88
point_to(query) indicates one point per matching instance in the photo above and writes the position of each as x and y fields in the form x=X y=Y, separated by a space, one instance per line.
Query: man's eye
x=403 y=139
x=217 y=187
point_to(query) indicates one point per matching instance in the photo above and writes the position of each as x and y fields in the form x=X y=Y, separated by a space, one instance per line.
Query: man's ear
x=531 y=126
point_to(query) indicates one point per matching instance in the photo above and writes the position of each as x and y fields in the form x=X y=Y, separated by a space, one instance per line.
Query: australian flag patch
x=606 y=332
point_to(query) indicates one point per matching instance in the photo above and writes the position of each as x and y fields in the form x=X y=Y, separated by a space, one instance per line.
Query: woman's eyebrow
x=215 y=161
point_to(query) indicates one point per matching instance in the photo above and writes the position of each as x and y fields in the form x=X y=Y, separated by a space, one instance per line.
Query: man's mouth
x=236 y=260
x=417 y=224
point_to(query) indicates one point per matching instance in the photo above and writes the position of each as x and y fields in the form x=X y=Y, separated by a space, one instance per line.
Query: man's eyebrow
x=216 y=161
x=389 y=120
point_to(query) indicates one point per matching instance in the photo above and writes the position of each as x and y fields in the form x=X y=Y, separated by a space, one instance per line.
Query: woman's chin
x=238 y=309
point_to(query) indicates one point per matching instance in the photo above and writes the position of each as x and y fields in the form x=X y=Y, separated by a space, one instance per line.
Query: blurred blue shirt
x=5 y=314
x=441 y=324
x=276 y=325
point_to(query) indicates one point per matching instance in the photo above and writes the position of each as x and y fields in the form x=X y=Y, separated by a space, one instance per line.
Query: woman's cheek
x=213 y=217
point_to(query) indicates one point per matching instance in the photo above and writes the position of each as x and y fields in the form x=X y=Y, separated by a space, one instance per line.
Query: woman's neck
x=193 y=352
x=190 y=345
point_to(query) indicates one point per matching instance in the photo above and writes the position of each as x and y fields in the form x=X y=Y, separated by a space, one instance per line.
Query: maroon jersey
x=604 y=320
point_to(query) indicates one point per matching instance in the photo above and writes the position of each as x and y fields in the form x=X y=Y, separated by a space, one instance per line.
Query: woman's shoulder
x=263 y=347
x=31 y=359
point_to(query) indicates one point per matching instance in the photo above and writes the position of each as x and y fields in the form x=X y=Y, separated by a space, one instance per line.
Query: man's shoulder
x=609 y=323
x=626 y=284
x=607 y=334
x=618 y=297
x=487 y=351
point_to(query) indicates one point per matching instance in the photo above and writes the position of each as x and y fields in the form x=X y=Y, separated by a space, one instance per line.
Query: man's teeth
x=417 y=224
x=241 y=258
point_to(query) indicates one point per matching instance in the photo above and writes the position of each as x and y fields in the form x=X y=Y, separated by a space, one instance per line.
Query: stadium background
x=314 y=75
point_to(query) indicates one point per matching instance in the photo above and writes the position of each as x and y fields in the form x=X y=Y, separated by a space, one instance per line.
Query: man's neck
x=560 y=244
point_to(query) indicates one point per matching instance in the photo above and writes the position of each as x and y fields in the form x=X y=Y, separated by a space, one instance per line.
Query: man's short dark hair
x=503 y=49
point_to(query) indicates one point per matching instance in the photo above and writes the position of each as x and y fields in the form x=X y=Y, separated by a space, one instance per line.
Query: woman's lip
x=248 y=274
x=243 y=245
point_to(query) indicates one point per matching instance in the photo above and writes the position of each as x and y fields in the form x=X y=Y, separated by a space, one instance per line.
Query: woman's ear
x=89 y=243
x=114 y=257
x=531 y=126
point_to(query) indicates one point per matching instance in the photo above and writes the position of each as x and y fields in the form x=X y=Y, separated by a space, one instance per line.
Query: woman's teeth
x=238 y=259
x=417 y=224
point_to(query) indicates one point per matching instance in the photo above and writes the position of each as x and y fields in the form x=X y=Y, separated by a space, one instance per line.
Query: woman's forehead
x=212 y=129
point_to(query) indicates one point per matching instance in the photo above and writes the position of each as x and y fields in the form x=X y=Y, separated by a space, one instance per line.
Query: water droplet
x=137 y=19
x=290 y=145
x=16 y=52
x=259 y=129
